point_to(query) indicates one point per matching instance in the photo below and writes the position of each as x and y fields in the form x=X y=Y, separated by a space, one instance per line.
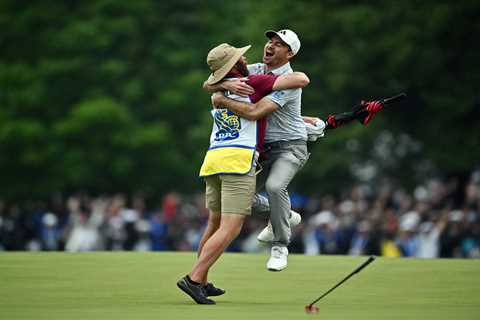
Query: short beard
x=242 y=68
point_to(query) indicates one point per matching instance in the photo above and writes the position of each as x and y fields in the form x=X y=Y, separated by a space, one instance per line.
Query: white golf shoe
x=266 y=235
x=278 y=259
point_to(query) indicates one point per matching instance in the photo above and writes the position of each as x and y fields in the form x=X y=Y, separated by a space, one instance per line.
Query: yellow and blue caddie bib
x=232 y=143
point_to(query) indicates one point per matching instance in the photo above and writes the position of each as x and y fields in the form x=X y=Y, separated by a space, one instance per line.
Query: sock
x=191 y=281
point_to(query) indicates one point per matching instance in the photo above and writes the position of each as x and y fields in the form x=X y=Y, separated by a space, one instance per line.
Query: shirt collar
x=280 y=70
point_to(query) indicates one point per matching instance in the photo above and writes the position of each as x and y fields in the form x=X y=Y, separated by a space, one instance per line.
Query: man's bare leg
x=212 y=226
x=230 y=227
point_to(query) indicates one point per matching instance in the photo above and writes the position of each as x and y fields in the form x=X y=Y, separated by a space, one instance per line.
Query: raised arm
x=238 y=87
x=250 y=111
x=291 y=81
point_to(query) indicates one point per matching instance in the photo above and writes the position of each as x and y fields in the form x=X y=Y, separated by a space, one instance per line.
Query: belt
x=284 y=143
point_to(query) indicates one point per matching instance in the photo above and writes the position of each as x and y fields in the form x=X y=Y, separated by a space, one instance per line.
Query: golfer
x=285 y=150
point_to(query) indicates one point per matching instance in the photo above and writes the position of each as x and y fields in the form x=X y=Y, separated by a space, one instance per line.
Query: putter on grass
x=311 y=308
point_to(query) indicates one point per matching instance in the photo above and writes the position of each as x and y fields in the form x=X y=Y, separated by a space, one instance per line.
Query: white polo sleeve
x=283 y=96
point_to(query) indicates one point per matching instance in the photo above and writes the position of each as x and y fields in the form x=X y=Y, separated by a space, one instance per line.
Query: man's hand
x=315 y=128
x=238 y=87
x=216 y=98
x=311 y=120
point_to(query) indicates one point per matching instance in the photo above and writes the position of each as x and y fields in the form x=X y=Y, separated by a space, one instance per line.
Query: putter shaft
x=363 y=265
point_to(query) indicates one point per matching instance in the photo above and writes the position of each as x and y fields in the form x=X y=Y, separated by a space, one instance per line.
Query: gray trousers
x=283 y=160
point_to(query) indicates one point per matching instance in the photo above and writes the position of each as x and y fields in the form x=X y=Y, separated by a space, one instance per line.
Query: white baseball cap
x=287 y=36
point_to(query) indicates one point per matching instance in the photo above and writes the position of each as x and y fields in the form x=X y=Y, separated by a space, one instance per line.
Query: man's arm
x=241 y=88
x=250 y=111
x=238 y=87
x=263 y=107
x=291 y=81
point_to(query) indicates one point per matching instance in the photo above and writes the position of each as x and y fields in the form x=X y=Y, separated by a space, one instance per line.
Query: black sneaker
x=195 y=291
x=211 y=290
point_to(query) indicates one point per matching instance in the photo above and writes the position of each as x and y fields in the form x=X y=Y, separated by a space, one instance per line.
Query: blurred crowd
x=439 y=218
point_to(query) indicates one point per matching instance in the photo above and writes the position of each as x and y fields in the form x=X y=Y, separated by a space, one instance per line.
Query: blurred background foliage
x=106 y=95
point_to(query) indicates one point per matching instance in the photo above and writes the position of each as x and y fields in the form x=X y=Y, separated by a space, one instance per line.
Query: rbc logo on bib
x=228 y=125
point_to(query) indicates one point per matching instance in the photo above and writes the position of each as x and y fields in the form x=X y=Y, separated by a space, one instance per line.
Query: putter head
x=311 y=309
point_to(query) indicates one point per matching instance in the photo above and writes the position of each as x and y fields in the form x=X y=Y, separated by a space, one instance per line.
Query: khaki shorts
x=230 y=193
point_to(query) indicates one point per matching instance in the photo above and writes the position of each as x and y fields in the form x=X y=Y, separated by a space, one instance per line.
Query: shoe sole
x=184 y=288
x=276 y=270
x=264 y=241
x=215 y=294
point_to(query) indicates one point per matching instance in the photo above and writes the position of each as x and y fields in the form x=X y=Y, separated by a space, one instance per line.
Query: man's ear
x=290 y=54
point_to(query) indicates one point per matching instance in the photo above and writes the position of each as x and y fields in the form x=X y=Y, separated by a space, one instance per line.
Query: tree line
x=106 y=95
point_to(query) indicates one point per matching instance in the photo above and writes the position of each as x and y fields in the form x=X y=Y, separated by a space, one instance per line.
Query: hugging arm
x=291 y=81
x=250 y=111
x=242 y=88
x=265 y=106
x=238 y=86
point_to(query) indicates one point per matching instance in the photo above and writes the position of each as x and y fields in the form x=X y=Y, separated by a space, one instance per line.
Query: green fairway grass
x=143 y=286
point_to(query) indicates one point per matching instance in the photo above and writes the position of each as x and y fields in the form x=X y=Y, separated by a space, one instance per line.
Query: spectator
x=429 y=237
x=159 y=232
x=85 y=226
x=407 y=240
x=50 y=233
x=427 y=223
